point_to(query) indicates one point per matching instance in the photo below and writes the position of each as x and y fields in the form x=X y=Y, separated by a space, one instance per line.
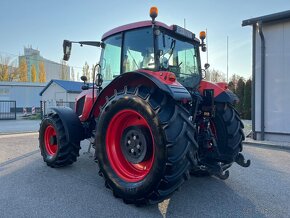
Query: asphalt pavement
x=31 y=189
x=18 y=126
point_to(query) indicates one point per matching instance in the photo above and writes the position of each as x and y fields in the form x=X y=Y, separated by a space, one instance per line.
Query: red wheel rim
x=50 y=140
x=123 y=168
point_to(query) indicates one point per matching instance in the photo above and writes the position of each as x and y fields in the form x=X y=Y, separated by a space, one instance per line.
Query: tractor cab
x=152 y=46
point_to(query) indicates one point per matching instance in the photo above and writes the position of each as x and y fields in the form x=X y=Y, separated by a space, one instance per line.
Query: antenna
x=207 y=51
x=227 y=59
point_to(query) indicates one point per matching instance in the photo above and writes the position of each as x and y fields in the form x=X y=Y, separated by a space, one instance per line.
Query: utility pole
x=227 y=59
x=184 y=25
x=207 y=50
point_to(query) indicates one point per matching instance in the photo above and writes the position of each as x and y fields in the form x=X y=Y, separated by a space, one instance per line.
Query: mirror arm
x=91 y=43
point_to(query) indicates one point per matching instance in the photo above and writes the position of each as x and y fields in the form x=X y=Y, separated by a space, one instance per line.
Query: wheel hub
x=136 y=144
x=52 y=140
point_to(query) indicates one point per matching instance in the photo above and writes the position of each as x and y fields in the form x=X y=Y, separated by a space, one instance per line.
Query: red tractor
x=156 y=122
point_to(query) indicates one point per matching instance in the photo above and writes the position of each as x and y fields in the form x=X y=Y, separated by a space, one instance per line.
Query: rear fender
x=134 y=79
x=71 y=123
x=221 y=91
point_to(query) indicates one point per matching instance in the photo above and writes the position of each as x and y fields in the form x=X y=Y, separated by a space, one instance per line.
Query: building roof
x=69 y=86
x=285 y=15
x=24 y=84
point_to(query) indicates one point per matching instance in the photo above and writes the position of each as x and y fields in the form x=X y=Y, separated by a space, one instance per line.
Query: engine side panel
x=84 y=104
x=221 y=91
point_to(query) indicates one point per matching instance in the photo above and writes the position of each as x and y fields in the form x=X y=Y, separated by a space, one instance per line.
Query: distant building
x=25 y=94
x=53 y=70
x=271 y=76
x=60 y=93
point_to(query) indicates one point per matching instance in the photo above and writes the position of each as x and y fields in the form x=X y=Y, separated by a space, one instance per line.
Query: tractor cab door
x=111 y=56
x=127 y=51
x=138 y=50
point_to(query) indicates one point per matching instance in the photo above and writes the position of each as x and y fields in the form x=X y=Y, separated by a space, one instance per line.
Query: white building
x=60 y=93
x=271 y=76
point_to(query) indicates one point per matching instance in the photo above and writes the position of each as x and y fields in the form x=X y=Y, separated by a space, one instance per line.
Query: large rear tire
x=227 y=128
x=229 y=132
x=55 y=149
x=159 y=124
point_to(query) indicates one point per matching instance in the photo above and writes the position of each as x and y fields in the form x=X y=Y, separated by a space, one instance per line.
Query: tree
x=72 y=74
x=86 y=71
x=42 y=73
x=234 y=79
x=64 y=70
x=232 y=87
x=33 y=73
x=247 y=100
x=215 y=76
x=240 y=93
x=23 y=71
x=8 y=69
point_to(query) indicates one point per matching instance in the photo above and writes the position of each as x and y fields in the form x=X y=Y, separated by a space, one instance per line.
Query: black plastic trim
x=72 y=125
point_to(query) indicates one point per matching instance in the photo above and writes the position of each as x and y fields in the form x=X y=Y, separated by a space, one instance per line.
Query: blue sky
x=44 y=25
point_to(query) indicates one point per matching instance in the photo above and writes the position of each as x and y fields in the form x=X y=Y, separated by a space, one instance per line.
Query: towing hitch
x=240 y=159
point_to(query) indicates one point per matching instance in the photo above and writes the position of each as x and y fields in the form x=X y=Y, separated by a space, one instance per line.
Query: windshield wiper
x=133 y=58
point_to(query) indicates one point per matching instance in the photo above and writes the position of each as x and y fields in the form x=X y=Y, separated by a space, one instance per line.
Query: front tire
x=55 y=149
x=153 y=173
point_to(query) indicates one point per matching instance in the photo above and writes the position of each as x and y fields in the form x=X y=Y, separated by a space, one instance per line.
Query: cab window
x=138 y=50
x=110 y=59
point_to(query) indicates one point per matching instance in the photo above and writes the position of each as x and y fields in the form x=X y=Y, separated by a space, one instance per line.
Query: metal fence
x=7 y=110
x=46 y=105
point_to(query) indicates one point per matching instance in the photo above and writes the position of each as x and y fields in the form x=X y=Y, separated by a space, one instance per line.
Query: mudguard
x=144 y=77
x=221 y=91
x=227 y=96
x=72 y=125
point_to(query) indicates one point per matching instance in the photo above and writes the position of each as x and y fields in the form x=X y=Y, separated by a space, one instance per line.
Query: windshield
x=179 y=57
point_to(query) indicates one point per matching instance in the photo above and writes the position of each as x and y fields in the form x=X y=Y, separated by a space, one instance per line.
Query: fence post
x=15 y=108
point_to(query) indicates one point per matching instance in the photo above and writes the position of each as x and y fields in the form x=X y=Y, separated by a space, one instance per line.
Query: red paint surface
x=50 y=132
x=163 y=76
x=88 y=103
x=127 y=171
x=134 y=26
x=217 y=87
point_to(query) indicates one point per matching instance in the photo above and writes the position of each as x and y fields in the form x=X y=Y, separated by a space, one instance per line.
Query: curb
x=268 y=144
x=16 y=133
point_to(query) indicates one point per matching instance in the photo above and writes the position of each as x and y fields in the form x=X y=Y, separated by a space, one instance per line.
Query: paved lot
x=31 y=189
x=18 y=126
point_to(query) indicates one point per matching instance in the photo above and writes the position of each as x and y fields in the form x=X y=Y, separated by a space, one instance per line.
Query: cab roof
x=135 y=26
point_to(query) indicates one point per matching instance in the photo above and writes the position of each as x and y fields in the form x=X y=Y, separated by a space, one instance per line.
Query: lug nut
x=132 y=150
x=138 y=146
x=134 y=137
x=129 y=142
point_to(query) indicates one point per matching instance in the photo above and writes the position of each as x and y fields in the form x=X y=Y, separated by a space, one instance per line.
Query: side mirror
x=84 y=78
x=66 y=49
x=206 y=65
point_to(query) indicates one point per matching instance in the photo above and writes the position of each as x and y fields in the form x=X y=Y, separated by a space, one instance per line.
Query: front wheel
x=145 y=145
x=55 y=148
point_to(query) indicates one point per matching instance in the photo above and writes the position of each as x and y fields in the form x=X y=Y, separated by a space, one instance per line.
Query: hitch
x=240 y=159
x=218 y=170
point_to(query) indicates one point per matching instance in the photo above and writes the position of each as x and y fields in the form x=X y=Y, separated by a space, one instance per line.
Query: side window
x=111 y=57
x=138 y=50
x=188 y=59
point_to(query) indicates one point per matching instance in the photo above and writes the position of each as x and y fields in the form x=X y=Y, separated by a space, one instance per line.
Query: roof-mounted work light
x=153 y=13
